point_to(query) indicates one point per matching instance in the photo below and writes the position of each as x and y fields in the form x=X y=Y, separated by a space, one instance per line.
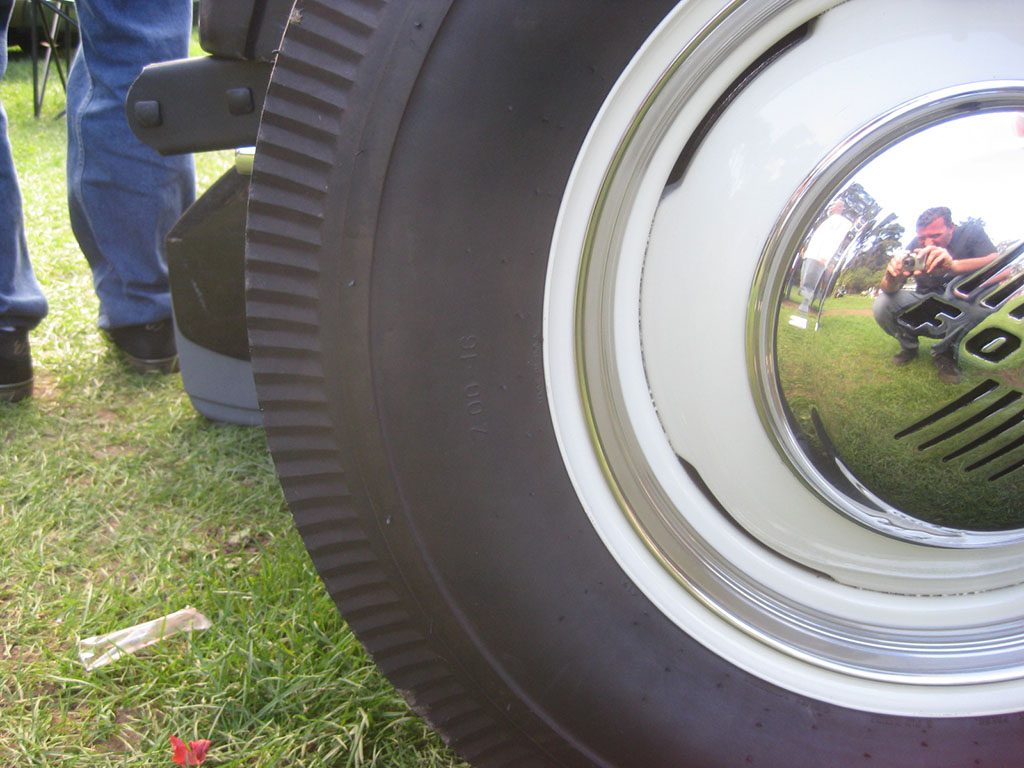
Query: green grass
x=844 y=371
x=119 y=504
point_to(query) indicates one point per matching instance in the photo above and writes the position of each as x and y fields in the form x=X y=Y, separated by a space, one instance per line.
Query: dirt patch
x=860 y=312
x=115 y=450
x=18 y=654
x=44 y=388
x=1013 y=378
x=127 y=739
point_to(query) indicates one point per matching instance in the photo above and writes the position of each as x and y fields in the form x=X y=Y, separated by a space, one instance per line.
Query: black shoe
x=15 y=366
x=948 y=371
x=149 y=347
x=904 y=356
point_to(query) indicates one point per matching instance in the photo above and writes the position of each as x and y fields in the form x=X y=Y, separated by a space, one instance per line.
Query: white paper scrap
x=103 y=649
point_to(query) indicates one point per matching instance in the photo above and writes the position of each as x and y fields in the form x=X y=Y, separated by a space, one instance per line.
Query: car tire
x=410 y=187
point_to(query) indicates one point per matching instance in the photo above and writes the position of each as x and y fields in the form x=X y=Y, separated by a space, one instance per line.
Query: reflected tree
x=875 y=243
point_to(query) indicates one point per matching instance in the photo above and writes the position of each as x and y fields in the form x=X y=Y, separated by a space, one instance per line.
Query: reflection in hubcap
x=895 y=385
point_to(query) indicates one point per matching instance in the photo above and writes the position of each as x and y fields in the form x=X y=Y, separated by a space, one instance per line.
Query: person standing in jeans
x=827 y=240
x=123 y=197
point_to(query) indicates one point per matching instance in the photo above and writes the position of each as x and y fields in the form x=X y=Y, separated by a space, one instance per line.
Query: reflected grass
x=845 y=373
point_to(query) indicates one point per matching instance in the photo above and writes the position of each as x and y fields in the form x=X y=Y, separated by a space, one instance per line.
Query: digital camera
x=912 y=262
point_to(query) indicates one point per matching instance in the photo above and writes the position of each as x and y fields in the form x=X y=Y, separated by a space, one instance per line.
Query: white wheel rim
x=734 y=586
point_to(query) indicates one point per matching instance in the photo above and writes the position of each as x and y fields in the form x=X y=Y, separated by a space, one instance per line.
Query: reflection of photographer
x=940 y=252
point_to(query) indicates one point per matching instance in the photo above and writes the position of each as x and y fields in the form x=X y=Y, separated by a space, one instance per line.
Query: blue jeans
x=22 y=303
x=122 y=196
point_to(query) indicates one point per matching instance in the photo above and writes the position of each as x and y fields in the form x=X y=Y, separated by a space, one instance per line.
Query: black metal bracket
x=198 y=104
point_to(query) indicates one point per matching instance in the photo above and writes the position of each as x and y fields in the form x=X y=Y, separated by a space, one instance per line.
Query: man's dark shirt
x=969 y=241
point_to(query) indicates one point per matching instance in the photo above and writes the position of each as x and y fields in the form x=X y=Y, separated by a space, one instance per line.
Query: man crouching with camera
x=940 y=252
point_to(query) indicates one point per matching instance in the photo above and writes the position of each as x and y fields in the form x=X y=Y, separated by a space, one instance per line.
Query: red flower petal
x=193 y=754
x=180 y=750
x=198 y=750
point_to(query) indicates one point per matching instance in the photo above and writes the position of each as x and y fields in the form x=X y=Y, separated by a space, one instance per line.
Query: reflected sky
x=972 y=165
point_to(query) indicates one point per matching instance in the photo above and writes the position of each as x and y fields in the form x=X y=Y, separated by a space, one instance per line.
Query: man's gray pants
x=889 y=307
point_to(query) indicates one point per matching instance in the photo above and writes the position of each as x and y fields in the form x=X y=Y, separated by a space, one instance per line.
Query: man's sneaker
x=15 y=366
x=904 y=356
x=948 y=370
x=805 y=306
x=149 y=347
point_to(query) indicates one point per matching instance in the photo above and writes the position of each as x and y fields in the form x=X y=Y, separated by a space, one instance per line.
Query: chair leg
x=51 y=57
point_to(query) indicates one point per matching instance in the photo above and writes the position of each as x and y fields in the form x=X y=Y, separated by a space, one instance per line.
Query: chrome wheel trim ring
x=731 y=585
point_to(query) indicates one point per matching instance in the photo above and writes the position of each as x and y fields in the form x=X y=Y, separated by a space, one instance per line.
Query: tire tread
x=306 y=114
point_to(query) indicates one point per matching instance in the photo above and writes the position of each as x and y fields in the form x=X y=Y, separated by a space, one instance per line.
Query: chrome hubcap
x=891 y=445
